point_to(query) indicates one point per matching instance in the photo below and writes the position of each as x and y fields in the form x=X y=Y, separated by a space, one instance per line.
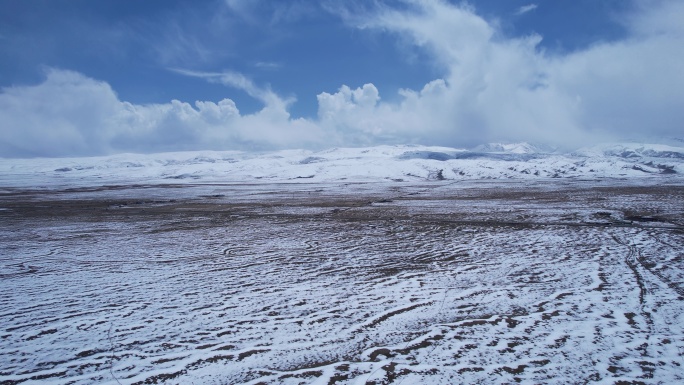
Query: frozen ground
x=433 y=282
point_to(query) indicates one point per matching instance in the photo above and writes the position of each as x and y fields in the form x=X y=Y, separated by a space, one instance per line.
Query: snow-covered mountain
x=381 y=163
x=514 y=148
x=634 y=151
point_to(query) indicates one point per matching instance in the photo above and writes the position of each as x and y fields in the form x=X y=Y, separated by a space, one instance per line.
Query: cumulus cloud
x=499 y=88
x=71 y=114
x=492 y=88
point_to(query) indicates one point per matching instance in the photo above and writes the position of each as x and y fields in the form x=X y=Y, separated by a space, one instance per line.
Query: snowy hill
x=381 y=163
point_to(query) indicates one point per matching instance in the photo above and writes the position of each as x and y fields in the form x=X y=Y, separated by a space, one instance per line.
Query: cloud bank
x=71 y=114
x=493 y=88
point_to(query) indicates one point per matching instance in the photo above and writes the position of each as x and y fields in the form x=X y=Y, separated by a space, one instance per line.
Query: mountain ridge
x=379 y=163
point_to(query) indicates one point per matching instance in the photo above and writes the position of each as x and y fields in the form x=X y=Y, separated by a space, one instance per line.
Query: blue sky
x=96 y=77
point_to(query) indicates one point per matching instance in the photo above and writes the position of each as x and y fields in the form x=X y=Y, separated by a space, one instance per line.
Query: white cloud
x=492 y=88
x=268 y=65
x=244 y=8
x=526 y=8
x=261 y=12
x=237 y=80
x=656 y=17
x=498 y=88
x=70 y=114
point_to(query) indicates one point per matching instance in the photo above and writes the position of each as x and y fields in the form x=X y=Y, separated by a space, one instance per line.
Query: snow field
x=331 y=284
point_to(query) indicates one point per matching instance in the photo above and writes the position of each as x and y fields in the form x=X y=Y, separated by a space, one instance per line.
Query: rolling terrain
x=344 y=267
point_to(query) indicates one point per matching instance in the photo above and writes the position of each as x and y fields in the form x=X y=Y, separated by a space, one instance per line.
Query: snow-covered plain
x=234 y=268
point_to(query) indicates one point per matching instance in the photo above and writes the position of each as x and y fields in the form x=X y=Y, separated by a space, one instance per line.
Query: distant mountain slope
x=381 y=163
x=634 y=151
x=514 y=148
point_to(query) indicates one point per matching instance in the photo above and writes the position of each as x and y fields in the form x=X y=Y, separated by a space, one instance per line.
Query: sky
x=83 y=78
